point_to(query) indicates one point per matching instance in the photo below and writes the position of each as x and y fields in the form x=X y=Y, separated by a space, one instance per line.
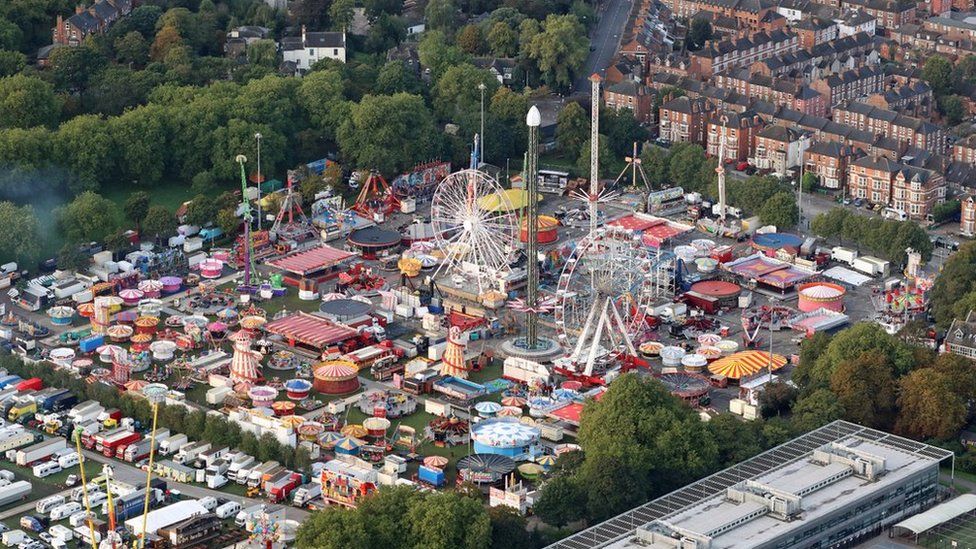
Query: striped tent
x=348 y=446
x=354 y=430
x=547 y=461
x=745 y=363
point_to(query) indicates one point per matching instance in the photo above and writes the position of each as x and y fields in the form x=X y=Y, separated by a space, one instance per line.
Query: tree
x=27 y=101
x=470 y=40
x=684 y=166
x=88 y=217
x=72 y=68
x=136 y=207
x=559 y=50
x=140 y=139
x=159 y=222
x=446 y=520
x=946 y=211
x=502 y=40
x=865 y=388
x=584 y=12
x=388 y=132
x=736 y=440
x=622 y=129
x=377 y=8
x=11 y=62
x=830 y=224
x=776 y=399
x=699 y=33
x=22 y=233
x=572 y=128
x=952 y=108
x=132 y=48
x=929 y=407
x=228 y=221
x=438 y=54
x=321 y=96
x=166 y=40
x=953 y=286
x=809 y=182
x=457 y=96
x=341 y=13
x=851 y=343
x=605 y=157
x=395 y=78
x=440 y=14
x=937 y=71
x=815 y=410
x=508 y=529
x=202 y=210
x=780 y=210
x=263 y=53
x=563 y=500
x=71 y=258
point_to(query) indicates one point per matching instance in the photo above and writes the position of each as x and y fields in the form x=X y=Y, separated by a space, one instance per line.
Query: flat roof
x=785 y=465
x=311 y=260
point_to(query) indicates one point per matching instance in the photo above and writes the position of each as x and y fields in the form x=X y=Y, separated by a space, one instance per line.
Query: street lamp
x=258 y=136
x=481 y=153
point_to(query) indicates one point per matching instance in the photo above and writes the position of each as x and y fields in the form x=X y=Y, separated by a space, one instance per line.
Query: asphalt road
x=604 y=39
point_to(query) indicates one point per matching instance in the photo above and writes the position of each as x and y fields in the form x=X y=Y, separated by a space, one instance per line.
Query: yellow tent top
x=746 y=363
x=506 y=201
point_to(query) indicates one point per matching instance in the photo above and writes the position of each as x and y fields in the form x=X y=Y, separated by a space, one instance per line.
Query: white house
x=854 y=22
x=311 y=47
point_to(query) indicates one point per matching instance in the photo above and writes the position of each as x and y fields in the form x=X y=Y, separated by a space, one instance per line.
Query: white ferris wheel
x=475 y=226
x=604 y=297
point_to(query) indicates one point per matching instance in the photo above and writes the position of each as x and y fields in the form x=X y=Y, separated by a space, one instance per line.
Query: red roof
x=312 y=260
x=569 y=413
x=637 y=222
x=311 y=330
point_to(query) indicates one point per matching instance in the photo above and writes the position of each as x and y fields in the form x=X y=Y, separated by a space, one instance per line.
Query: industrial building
x=827 y=488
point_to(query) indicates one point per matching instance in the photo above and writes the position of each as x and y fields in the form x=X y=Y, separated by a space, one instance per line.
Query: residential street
x=604 y=40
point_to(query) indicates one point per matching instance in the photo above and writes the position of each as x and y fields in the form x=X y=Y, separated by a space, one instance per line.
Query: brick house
x=779 y=149
x=967 y=216
x=741 y=52
x=914 y=131
x=908 y=188
x=889 y=13
x=632 y=96
x=87 y=22
x=828 y=160
x=964 y=150
x=815 y=30
x=850 y=84
x=683 y=120
x=739 y=130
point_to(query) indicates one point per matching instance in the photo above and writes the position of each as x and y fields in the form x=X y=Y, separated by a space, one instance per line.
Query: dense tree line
x=403 y=517
x=886 y=238
x=196 y=424
x=954 y=292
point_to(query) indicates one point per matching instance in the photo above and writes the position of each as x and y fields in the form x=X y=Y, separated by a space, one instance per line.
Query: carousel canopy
x=745 y=364
x=336 y=370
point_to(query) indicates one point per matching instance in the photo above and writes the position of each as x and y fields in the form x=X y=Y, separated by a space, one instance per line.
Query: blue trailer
x=7 y=381
x=51 y=401
x=89 y=344
x=431 y=475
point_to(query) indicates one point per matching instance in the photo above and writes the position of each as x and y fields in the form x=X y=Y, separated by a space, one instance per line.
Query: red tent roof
x=311 y=330
x=312 y=260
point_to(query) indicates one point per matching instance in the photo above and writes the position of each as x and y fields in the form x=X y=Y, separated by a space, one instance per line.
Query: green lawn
x=958 y=535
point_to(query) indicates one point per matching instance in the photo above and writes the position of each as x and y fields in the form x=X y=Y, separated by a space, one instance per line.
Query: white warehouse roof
x=167 y=516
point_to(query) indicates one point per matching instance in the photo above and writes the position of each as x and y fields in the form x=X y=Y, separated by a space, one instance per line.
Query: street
x=612 y=16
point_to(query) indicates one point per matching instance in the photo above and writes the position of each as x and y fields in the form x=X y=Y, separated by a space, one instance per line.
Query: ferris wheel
x=475 y=226
x=604 y=296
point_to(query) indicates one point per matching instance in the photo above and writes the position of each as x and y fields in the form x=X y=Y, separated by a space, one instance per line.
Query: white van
x=68 y=460
x=45 y=469
x=65 y=510
x=78 y=519
x=78 y=493
x=894 y=213
x=97 y=498
x=209 y=503
x=44 y=506
x=227 y=510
